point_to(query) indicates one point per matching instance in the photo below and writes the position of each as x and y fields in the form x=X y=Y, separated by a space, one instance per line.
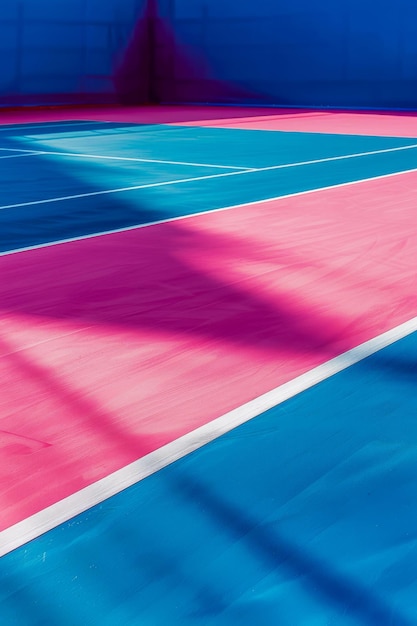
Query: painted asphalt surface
x=305 y=514
x=146 y=197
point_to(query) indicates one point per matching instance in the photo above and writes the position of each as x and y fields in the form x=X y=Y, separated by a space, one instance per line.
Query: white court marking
x=234 y=167
x=19 y=150
x=81 y=155
x=32 y=527
x=17 y=156
x=62 y=511
x=210 y=176
x=190 y=215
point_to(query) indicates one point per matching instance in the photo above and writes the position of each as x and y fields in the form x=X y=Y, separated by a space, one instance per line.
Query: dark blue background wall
x=360 y=53
x=63 y=50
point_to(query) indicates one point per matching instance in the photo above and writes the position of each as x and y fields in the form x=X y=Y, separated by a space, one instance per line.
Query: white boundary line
x=18 y=150
x=205 y=212
x=104 y=192
x=198 y=178
x=81 y=155
x=17 y=156
x=62 y=511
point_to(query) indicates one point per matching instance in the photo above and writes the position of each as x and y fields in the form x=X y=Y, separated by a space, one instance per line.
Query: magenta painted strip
x=115 y=346
x=393 y=124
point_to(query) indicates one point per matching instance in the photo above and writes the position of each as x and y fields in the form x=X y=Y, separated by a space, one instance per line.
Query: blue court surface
x=306 y=514
x=174 y=172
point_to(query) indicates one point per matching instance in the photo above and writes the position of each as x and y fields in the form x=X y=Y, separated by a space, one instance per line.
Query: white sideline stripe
x=197 y=178
x=168 y=220
x=81 y=155
x=32 y=527
x=117 y=190
x=231 y=167
x=17 y=156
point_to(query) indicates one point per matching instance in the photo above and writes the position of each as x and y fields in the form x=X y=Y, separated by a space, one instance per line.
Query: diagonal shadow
x=155 y=61
x=158 y=278
x=275 y=551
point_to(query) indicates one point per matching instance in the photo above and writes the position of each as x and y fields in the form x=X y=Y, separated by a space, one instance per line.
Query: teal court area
x=155 y=173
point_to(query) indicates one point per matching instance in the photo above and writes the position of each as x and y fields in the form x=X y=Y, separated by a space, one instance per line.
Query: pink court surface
x=114 y=346
x=387 y=124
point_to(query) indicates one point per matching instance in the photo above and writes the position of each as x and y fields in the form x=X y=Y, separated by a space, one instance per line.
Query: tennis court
x=208 y=368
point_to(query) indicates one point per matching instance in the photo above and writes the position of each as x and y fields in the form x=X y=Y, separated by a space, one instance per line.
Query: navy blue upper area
x=65 y=52
x=32 y=211
x=359 y=53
